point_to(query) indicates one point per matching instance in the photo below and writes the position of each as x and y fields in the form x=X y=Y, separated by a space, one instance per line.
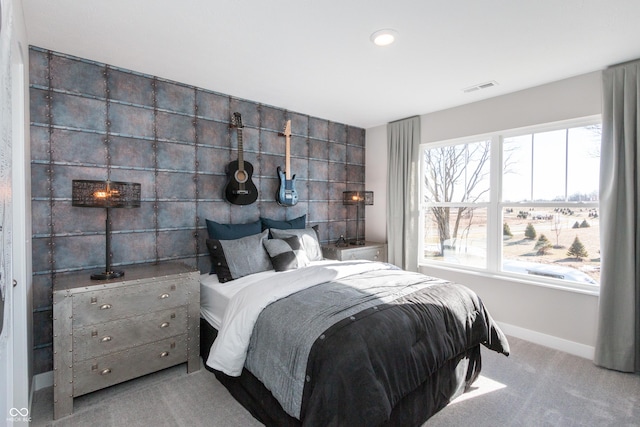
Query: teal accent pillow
x=296 y=223
x=231 y=231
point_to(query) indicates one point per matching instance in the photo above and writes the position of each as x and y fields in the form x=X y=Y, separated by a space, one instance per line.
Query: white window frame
x=495 y=206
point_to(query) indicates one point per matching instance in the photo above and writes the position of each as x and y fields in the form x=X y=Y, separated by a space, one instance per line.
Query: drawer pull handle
x=105 y=306
x=165 y=325
x=164 y=354
x=105 y=371
x=106 y=339
x=164 y=296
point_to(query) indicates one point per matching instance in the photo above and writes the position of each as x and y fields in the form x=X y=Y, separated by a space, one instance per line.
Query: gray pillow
x=286 y=254
x=240 y=257
x=307 y=236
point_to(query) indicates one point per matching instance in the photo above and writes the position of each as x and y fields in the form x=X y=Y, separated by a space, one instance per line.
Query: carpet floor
x=535 y=386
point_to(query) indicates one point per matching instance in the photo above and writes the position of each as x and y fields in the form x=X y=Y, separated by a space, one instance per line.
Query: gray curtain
x=618 y=341
x=403 y=141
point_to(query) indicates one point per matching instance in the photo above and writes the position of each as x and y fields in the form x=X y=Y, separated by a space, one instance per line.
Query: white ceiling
x=315 y=56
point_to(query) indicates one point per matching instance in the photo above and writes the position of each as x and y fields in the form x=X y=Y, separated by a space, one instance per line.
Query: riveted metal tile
x=356 y=136
x=176 y=214
x=355 y=154
x=318 y=149
x=72 y=219
x=40 y=143
x=250 y=140
x=78 y=112
x=175 y=185
x=72 y=252
x=172 y=244
x=299 y=146
x=337 y=171
x=248 y=111
x=128 y=120
x=76 y=76
x=244 y=214
x=78 y=147
x=272 y=143
x=318 y=170
x=175 y=97
x=318 y=128
x=216 y=211
x=38 y=106
x=141 y=218
x=176 y=156
x=42 y=327
x=318 y=211
x=146 y=178
x=40 y=181
x=337 y=132
x=213 y=105
x=319 y=190
x=40 y=217
x=133 y=247
x=42 y=292
x=41 y=254
x=38 y=67
x=131 y=88
x=272 y=118
x=213 y=160
x=299 y=124
x=214 y=134
x=300 y=168
x=175 y=127
x=355 y=173
x=337 y=152
x=131 y=152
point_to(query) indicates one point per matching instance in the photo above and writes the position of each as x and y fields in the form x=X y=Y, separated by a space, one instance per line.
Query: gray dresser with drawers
x=107 y=332
x=369 y=251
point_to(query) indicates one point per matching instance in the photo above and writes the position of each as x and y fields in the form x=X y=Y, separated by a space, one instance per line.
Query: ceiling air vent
x=485 y=85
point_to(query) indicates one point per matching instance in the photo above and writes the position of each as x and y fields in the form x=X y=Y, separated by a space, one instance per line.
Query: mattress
x=215 y=296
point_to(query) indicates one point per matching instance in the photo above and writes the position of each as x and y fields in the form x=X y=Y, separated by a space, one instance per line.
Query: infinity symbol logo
x=14 y=412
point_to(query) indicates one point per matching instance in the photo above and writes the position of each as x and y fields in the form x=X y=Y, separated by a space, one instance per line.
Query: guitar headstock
x=236 y=120
x=287 y=128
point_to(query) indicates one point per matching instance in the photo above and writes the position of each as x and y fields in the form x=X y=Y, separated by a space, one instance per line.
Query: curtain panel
x=618 y=339
x=403 y=141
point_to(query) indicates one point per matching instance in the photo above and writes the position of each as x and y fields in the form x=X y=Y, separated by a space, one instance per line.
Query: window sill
x=432 y=269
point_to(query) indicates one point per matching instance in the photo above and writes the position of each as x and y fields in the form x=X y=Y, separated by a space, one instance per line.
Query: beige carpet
x=535 y=386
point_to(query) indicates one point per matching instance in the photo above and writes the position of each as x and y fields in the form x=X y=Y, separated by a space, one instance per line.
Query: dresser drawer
x=371 y=254
x=100 y=306
x=100 y=372
x=98 y=340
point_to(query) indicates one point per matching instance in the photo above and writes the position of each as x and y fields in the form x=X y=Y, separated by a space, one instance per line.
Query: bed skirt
x=444 y=385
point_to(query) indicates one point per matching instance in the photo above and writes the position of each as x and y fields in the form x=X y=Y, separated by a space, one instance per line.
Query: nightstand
x=370 y=251
x=109 y=331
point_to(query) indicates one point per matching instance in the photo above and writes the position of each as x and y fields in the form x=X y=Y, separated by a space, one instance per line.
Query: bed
x=316 y=342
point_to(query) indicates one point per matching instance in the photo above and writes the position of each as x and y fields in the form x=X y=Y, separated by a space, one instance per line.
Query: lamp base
x=107 y=275
x=357 y=243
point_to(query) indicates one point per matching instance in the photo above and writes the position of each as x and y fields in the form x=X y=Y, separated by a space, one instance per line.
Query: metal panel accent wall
x=95 y=121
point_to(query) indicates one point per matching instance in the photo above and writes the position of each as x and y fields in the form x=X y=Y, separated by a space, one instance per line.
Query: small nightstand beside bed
x=318 y=342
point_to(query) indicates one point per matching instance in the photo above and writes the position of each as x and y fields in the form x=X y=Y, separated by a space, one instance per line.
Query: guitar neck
x=240 y=151
x=287 y=160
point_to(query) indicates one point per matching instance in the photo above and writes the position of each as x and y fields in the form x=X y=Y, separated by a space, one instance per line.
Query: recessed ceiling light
x=384 y=37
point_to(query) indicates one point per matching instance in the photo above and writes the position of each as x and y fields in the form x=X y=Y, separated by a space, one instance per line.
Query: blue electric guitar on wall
x=287 y=194
x=240 y=189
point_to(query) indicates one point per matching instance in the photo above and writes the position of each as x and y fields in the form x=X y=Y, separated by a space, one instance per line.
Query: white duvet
x=229 y=350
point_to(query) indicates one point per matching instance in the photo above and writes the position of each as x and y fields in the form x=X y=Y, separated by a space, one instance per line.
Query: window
x=521 y=203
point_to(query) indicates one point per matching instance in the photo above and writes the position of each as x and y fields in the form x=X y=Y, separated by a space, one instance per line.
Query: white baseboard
x=42 y=380
x=571 y=347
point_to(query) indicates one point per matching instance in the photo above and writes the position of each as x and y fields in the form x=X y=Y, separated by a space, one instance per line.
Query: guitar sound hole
x=241 y=176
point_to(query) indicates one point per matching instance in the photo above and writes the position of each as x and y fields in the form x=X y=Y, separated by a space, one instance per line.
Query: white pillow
x=307 y=236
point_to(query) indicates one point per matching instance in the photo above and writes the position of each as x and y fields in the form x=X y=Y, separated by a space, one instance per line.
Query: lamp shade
x=357 y=197
x=105 y=194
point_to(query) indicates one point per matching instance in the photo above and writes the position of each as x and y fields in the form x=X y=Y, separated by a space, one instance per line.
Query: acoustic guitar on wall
x=240 y=189
x=287 y=194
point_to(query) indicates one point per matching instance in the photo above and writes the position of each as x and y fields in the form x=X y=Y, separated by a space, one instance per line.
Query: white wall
x=16 y=353
x=558 y=318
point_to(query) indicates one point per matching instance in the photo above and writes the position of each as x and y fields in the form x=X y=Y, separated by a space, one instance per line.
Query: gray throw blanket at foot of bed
x=345 y=352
